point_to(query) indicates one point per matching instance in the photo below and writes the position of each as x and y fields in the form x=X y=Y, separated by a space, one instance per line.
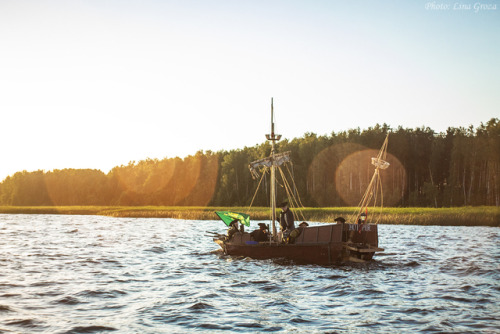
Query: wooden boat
x=322 y=244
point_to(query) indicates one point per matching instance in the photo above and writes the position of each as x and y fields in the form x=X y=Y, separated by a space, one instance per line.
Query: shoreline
x=459 y=216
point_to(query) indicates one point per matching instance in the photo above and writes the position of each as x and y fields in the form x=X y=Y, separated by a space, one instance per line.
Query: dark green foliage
x=58 y=187
x=458 y=168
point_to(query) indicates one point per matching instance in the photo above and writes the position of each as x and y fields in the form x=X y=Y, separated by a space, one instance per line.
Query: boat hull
x=323 y=245
x=317 y=253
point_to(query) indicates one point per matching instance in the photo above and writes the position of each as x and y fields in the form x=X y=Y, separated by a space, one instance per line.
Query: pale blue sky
x=96 y=84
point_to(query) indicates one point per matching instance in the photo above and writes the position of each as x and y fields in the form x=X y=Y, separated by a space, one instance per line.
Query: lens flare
x=339 y=175
x=321 y=173
x=189 y=181
x=354 y=173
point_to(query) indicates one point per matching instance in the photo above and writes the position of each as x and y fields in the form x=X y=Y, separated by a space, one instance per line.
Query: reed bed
x=459 y=216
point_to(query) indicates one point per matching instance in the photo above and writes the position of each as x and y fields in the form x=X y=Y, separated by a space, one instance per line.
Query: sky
x=99 y=83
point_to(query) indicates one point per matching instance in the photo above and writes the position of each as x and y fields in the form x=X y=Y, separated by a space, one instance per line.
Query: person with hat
x=287 y=222
x=261 y=234
x=339 y=220
x=296 y=232
x=233 y=228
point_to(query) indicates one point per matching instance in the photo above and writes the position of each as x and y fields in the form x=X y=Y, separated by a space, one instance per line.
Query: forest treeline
x=460 y=167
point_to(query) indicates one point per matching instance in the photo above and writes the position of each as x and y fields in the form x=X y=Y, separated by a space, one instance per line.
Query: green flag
x=228 y=216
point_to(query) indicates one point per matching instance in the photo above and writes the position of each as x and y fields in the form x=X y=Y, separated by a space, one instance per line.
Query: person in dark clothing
x=233 y=228
x=362 y=218
x=261 y=234
x=286 y=217
x=287 y=222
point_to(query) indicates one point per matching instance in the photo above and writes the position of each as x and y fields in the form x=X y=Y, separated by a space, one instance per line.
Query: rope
x=381 y=201
x=295 y=187
x=255 y=194
x=290 y=195
x=374 y=187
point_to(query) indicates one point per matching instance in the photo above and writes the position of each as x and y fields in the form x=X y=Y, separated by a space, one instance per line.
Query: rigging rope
x=375 y=184
x=291 y=197
x=255 y=194
x=295 y=187
x=295 y=201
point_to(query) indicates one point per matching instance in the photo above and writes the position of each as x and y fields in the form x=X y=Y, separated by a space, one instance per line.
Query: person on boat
x=296 y=232
x=287 y=222
x=362 y=218
x=339 y=220
x=233 y=229
x=262 y=234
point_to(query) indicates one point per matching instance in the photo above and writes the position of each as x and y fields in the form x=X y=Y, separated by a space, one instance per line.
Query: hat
x=262 y=225
x=304 y=224
x=340 y=219
x=283 y=204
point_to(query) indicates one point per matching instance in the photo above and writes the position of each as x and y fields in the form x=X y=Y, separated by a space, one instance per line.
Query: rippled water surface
x=90 y=274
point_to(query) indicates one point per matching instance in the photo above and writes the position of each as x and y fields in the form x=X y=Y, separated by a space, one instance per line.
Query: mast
x=375 y=185
x=273 y=138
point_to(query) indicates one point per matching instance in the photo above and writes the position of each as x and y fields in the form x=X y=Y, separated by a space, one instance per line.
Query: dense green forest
x=458 y=168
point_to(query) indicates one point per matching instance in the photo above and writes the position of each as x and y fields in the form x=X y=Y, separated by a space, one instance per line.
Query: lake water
x=92 y=274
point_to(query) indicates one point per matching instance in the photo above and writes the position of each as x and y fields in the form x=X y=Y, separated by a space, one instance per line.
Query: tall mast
x=273 y=138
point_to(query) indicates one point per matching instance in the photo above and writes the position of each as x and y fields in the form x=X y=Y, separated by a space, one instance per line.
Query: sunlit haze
x=96 y=84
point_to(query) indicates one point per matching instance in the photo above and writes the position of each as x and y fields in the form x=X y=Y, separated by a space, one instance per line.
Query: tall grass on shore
x=459 y=216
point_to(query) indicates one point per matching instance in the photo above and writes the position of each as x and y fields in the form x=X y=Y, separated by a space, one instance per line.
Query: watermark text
x=475 y=7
